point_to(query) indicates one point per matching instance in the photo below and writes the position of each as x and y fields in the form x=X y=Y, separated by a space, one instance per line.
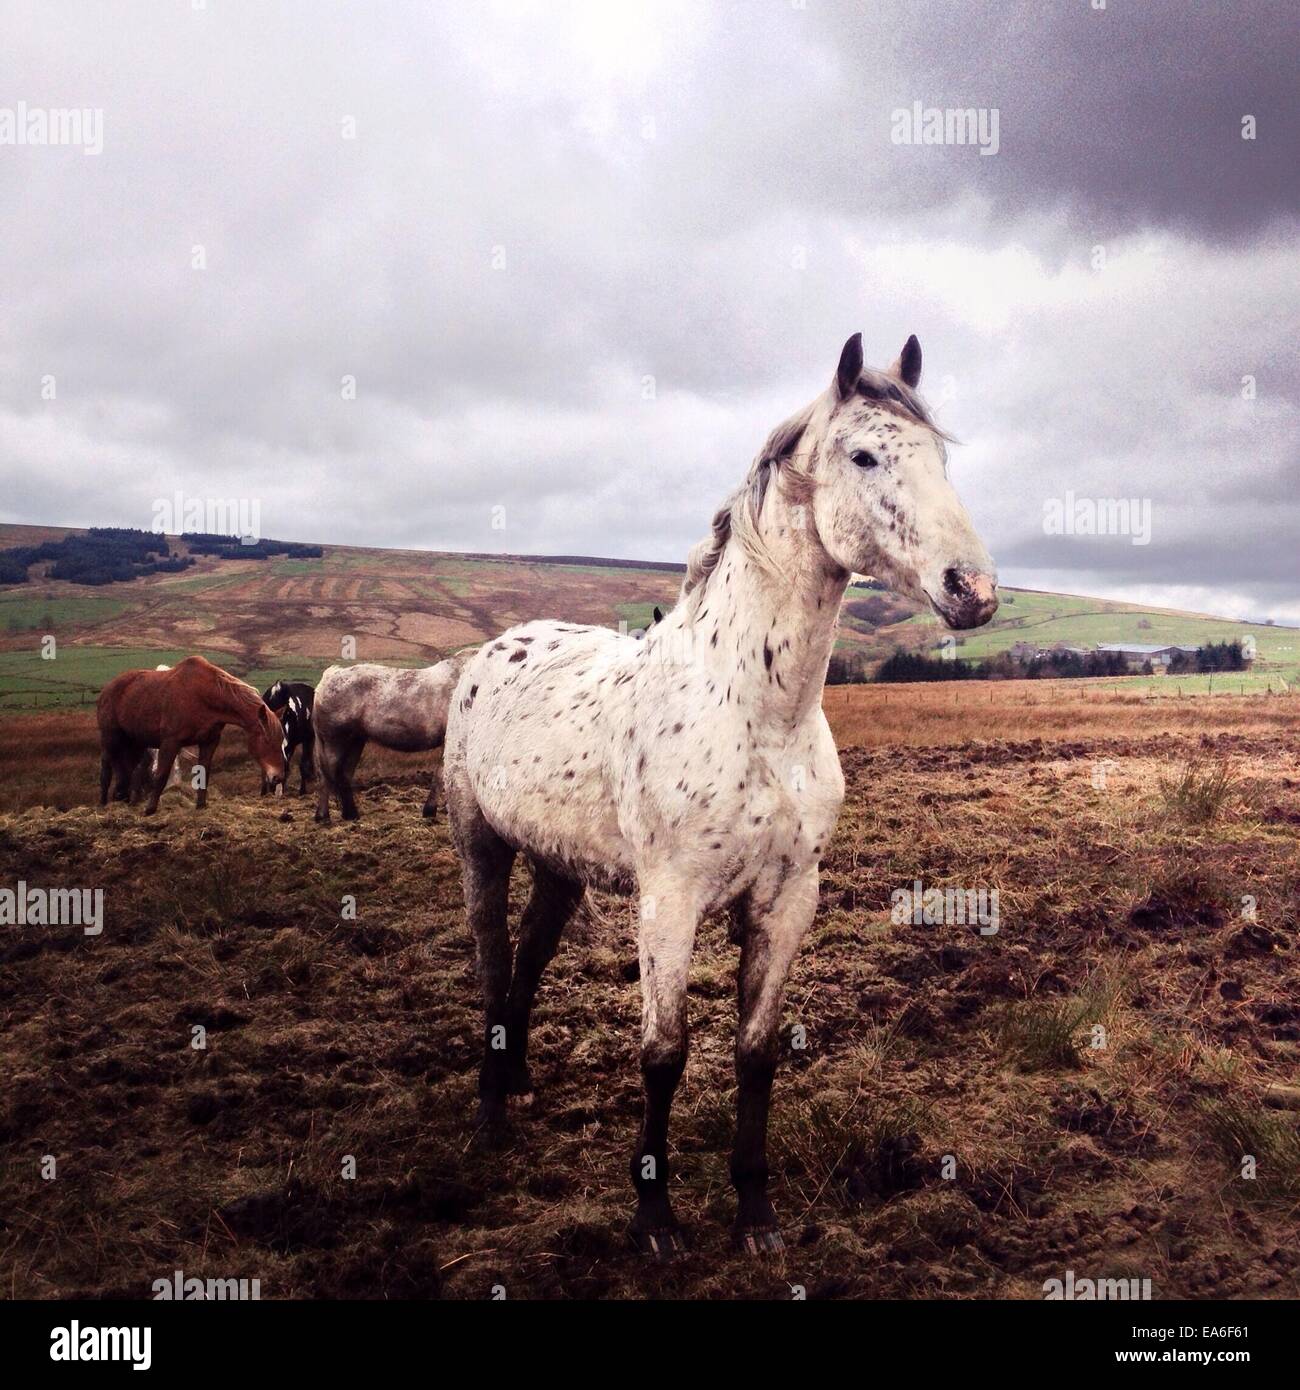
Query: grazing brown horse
x=170 y=710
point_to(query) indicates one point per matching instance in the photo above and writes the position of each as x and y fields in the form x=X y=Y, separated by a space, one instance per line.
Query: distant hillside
x=271 y=617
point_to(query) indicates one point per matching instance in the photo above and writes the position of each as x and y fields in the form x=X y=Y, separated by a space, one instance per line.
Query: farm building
x=1137 y=654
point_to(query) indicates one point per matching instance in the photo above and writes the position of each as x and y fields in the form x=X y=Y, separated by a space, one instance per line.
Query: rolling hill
x=289 y=617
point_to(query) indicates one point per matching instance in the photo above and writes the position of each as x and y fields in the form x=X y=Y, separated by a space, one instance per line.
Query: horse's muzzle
x=969 y=598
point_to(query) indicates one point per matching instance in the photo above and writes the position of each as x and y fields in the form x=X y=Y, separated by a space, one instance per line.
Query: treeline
x=904 y=666
x=118 y=554
x=1216 y=656
x=1058 y=665
x=104 y=555
x=232 y=548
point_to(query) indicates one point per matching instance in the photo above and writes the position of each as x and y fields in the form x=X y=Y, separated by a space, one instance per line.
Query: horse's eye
x=864 y=458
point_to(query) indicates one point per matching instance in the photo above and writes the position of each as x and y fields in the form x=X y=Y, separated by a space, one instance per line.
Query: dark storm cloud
x=578 y=258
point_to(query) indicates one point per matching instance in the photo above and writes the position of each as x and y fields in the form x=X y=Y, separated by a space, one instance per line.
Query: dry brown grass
x=955 y=1126
x=882 y=716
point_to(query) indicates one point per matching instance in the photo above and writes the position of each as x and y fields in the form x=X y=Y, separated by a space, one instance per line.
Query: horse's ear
x=659 y=615
x=908 y=366
x=850 y=368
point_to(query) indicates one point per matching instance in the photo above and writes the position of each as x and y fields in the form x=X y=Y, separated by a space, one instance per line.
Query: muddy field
x=970 y=1115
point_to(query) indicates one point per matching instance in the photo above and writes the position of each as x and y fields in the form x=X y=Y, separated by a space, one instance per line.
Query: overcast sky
x=579 y=258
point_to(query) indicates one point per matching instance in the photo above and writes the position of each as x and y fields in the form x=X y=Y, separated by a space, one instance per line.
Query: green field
x=637 y=616
x=20 y=612
x=1046 y=619
x=75 y=675
x=286 y=617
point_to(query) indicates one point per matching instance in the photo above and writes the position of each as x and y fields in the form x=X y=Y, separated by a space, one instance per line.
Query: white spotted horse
x=694 y=767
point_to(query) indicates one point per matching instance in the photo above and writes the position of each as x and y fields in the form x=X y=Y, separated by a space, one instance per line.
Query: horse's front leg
x=773 y=929
x=168 y=750
x=665 y=941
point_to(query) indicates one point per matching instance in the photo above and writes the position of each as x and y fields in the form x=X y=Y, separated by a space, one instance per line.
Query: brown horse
x=170 y=710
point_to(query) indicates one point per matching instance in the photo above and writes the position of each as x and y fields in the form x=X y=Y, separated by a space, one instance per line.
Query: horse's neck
x=237 y=709
x=774 y=632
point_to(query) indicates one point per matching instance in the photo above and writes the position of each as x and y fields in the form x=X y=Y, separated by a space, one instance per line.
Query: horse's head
x=266 y=742
x=882 y=503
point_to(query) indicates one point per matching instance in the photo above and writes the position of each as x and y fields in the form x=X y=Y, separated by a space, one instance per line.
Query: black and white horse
x=294 y=701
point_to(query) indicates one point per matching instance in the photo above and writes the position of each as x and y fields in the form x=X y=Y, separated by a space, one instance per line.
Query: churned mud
x=957 y=1113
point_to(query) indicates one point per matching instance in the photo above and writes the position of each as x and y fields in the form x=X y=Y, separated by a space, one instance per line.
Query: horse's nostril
x=955 y=583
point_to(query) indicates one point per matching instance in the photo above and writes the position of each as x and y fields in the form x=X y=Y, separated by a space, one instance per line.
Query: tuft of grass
x=1241 y=1129
x=1043 y=1035
x=1200 y=790
x=855 y=1146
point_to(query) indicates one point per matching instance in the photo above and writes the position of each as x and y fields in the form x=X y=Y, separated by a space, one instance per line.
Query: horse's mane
x=738 y=516
x=240 y=692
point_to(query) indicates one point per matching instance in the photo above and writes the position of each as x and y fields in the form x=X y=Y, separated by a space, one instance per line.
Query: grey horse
x=404 y=709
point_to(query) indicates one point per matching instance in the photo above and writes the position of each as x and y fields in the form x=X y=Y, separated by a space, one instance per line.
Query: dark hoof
x=491 y=1126
x=354 y=815
x=663 y=1243
x=759 y=1240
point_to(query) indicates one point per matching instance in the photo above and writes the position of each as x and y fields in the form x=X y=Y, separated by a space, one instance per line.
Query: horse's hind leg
x=552 y=904
x=331 y=763
x=345 y=770
x=430 y=808
x=486 y=861
x=307 y=762
x=304 y=764
x=206 y=752
x=127 y=758
x=325 y=769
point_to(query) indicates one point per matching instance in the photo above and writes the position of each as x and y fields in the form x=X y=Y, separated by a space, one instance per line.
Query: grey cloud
x=707 y=198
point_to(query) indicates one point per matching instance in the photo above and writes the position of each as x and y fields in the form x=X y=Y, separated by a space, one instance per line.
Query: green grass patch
x=637 y=616
x=76 y=674
x=21 y=613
